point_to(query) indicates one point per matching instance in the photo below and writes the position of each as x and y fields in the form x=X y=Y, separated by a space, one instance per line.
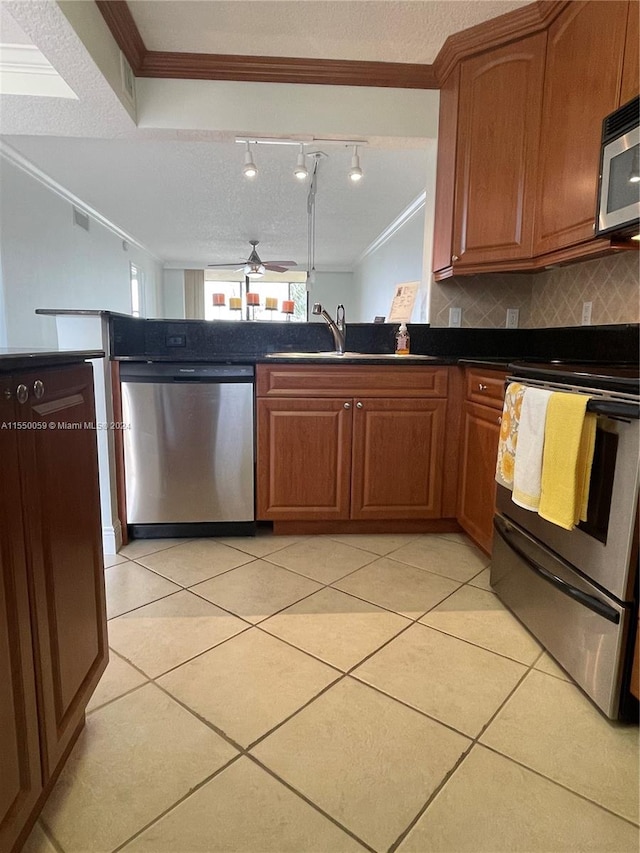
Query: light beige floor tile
x=256 y=590
x=195 y=561
x=550 y=726
x=129 y=585
x=443 y=557
x=166 y=633
x=398 y=587
x=260 y=545
x=481 y=618
x=335 y=627
x=37 y=842
x=244 y=810
x=458 y=538
x=482 y=580
x=118 y=678
x=381 y=544
x=491 y=805
x=135 y=758
x=321 y=559
x=366 y=760
x=547 y=664
x=446 y=678
x=248 y=685
x=141 y=547
x=113 y=559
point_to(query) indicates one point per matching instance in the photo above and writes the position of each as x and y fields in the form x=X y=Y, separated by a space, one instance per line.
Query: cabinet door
x=59 y=468
x=631 y=68
x=304 y=458
x=498 y=139
x=445 y=172
x=477 y=492
x=398 y=459
x=582 y=84
x=21 y=774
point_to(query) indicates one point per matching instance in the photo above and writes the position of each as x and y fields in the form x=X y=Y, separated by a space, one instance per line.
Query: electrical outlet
x=513 y=315
x=455 y=318
x=586 y=313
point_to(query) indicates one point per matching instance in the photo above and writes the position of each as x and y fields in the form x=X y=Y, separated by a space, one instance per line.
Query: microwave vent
x=624 y=119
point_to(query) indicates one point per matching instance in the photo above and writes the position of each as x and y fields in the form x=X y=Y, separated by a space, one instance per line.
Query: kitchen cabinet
x=351 y=443
x=54 y=644
x=582 y=85
x=480 y=432
x=499 y=111
x=631 y=67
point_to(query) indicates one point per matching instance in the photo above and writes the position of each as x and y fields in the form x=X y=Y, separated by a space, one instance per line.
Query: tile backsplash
x=549 y=298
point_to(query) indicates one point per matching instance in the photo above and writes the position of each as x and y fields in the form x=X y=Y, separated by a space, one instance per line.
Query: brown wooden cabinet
x=582 y=85
x=53 y=579
x=373 y=452
x=478 y=453
x=498 y=138
x=631 y=68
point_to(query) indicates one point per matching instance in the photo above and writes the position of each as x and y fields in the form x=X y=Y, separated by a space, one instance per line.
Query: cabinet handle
x=347 y=405
x=22 y=393
x=455 y=258
x=38 y=389
x=481 y=387
x=358 y=405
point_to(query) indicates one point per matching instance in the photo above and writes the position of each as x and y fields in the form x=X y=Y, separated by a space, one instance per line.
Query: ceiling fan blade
x=232 y=265
x=275 y=268
x=281 y=263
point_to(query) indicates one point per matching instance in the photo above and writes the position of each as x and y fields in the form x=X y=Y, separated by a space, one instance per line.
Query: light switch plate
x=455 y=318
x=513 y=316
x=586 y=313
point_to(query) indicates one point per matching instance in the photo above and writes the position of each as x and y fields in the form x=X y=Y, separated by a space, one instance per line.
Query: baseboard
x=371 y=526
x=112 y=538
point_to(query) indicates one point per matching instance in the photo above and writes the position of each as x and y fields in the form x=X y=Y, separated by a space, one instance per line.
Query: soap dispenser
x=402 y=340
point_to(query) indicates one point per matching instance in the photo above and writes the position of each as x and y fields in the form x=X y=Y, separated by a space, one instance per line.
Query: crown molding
x=15 y=158
x=408 y=213
x=119 y=19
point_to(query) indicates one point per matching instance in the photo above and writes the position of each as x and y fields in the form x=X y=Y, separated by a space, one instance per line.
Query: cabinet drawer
x=485 y=387
x=350 y=381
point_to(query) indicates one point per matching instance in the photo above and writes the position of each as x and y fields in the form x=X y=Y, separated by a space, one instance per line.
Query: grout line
x=48 y=833
x=140 y=606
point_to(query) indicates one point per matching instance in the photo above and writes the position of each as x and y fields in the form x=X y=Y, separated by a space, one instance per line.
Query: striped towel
x=509 y=434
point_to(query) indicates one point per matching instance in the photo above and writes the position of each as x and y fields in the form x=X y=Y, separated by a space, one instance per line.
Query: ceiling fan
x=254 y=267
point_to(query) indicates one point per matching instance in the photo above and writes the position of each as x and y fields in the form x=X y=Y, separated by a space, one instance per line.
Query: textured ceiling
x=383 y=30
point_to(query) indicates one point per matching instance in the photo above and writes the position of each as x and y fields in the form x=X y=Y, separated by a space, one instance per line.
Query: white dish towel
x=528 y=463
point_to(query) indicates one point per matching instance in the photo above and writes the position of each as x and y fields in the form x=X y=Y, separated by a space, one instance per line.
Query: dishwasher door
x=188 y=446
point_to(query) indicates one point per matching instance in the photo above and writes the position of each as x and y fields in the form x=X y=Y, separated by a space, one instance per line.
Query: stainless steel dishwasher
x=188 y=449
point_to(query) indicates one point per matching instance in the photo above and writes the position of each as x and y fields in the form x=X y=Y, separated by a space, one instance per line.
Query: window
x=294 y=291
x=136 y=276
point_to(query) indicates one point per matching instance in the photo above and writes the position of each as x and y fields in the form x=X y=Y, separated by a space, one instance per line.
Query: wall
x=549 y=298
x=49 y=262
x=332 y=289
x=172 y=294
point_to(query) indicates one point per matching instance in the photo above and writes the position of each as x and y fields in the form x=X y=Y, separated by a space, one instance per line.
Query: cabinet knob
x=22 y=393
x=455 y=258
x=38 y=389
x=7 y=393
x=499 y=419
x=347 y=405
x=481 y=387
x=358 y=405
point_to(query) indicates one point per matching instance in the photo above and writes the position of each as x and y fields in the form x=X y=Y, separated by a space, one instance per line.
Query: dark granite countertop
x=16 y=358
x=81 y=312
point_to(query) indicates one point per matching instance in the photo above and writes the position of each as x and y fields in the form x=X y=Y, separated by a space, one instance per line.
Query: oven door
x=584 y=629
x=605 y=547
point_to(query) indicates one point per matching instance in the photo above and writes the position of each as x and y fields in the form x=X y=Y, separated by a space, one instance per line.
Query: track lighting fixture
x=250 y=169
x=301 y=172
x=355 y=172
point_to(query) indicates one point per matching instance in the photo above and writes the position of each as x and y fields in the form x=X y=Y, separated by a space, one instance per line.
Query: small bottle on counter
x=402 y=340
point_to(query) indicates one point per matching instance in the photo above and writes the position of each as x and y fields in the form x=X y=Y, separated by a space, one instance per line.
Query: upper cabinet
x=582 y=86
x=519 y=141
x=498 y=119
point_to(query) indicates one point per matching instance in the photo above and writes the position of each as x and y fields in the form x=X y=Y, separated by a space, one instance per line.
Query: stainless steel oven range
x=577 y=591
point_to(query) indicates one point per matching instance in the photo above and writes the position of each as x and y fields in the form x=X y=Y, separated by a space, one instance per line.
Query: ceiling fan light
x=355 y=172
x=250 y=169
x=301 y=172
x=254 y=270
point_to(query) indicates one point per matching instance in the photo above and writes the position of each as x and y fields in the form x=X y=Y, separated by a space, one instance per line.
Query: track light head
x=250 y=169
x=355 y=172
x=301 y=172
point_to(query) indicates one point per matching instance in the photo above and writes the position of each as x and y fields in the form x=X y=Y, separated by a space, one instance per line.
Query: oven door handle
x=589 y=601
x=614 y=409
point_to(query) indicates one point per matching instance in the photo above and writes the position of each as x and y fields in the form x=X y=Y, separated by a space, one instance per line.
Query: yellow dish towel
x=509 y=434
x=569 y=441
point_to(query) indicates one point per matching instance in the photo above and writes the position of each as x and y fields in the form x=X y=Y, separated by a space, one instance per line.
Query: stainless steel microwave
x=618 y=213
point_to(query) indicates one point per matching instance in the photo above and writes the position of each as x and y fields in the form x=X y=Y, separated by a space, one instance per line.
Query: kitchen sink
x=334 y=356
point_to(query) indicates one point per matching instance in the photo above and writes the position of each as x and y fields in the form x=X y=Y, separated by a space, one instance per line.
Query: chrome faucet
x=337 y=328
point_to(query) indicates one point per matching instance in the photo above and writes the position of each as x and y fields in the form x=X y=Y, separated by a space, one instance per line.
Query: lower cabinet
x=371 y=453
x=53 y=643
x=478 y=453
